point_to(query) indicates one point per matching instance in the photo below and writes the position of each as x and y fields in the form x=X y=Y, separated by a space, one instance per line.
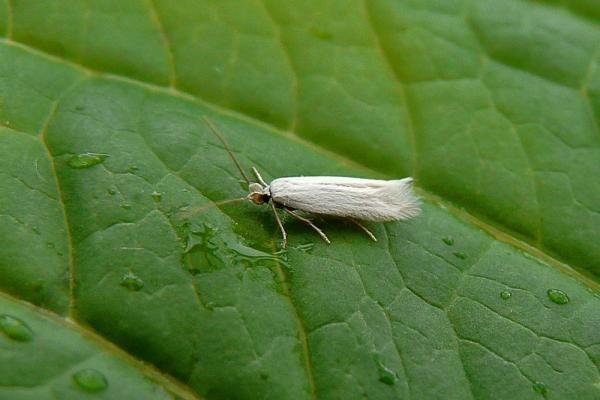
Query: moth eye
x=257 y=197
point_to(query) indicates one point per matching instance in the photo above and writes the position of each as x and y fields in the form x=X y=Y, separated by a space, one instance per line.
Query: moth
x=354 y=199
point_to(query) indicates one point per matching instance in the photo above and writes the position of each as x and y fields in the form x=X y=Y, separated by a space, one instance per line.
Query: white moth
x=351 y=198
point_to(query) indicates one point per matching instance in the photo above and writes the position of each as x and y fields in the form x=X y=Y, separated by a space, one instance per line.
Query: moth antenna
x=260 y=178
x=197 y=210
x=214 y=130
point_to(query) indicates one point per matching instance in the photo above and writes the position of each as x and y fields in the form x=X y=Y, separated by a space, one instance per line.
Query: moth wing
x=365 y=199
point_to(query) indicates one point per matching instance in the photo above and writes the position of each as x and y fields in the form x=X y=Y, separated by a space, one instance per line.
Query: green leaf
x=53 y=358
x=108 y=174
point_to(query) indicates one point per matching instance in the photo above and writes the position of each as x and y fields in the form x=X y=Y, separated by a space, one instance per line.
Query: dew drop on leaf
x=132 y=282
x=448 y=241
x=505 y=295
x=460 y=254
x=126 y=206
x=558 y=296
x=15 y=329
x=305 y=248
x=86 y=160
x=90 y=380
x=386 y=375
x=156 y=196
x=249 y=256
x=540 y=388
x=112 y=191
x=210 y=250
x=201 y=238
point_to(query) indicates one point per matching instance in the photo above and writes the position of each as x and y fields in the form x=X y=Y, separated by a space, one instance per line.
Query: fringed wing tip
x=411 y=206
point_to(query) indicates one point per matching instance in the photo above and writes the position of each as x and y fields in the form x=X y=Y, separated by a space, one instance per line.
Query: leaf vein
x=156 y=19
x=302 y=332
x=539 y=335
x=43 y=135
x=10 y=20
x=286 y=53
x=410 y=125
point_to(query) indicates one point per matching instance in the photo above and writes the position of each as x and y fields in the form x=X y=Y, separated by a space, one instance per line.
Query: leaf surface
x=105 y=163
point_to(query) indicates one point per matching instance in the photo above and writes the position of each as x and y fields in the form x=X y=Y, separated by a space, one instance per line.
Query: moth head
x=258 y=194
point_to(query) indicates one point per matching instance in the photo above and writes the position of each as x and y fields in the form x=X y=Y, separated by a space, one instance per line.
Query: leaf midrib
x=502 y=233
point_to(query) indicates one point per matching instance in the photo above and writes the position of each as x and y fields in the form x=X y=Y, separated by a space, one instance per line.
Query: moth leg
x=309 y=222
x=260 y=179
x=281 y=228
x=364 y=228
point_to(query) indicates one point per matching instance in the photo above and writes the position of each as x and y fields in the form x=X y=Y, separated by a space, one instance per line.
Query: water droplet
x=90 y=380
x=15 y=329
x=156 y=196
x=448 y=241
x=460 y=254
x=133 y=168
x=209 y=250
x=50 y=245
x=200 y=238
x=249 y=256
x=540 y=388
x=306 y=247
x=386 y=375
x=86 y=160
x=132 y=282
x=558 y=296
x=112 y=191
x=126 y=206
x=505 y=295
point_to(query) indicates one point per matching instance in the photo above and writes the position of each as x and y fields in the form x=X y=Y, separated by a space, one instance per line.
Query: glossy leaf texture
x=120 y=277
x=44 y=357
